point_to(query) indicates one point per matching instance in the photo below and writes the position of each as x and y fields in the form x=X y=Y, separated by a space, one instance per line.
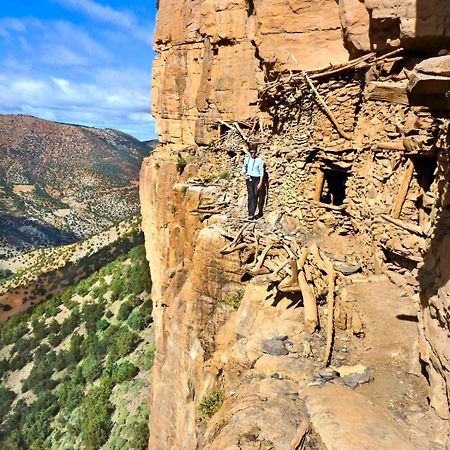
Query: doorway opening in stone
x=424 y=168
x=331 y=186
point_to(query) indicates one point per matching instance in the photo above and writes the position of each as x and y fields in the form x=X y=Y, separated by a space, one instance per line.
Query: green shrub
x=124 y=311
x=40 y=330
x=5 y=274
x=124 y=342
x=91 y=368
x=92 y=313
x=37 y=423
x=69 y=394
x=95 y=415
x=102 y=325
x=124 y=372
x=99 y=290
x=4 y=367
x=25 y=345
x=146 y=355
x=55 y=339
x=94 y=345
x=225 y=175
x=74 y=353
x=138 y=319
x=139 y=433
x=181 y=164
x=12 y=330
x=234 y=298
x=19 y=361
x=209 y=405
x=6 y=399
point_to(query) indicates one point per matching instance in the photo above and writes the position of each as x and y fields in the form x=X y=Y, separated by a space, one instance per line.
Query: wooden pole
x=401 y=196
x=406 y=226
x=320 y=180
x=330 y=304
x=321 y=101
x=298 y=441
x=309 y=304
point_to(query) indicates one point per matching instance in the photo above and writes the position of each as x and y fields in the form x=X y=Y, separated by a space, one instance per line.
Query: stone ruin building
x=349 y=101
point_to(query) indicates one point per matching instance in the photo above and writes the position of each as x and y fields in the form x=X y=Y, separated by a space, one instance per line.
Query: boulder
x=274 y=347
x=351 y=376
x=439 y=66
x=355 y=22
x=346 y=420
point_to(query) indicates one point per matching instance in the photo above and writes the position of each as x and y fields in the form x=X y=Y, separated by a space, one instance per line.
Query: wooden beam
x=401 y=196
x=320 y=180
x=330 y=308
x=321 y=101
x=405 y=225
x=309 y=304
x=388 y=91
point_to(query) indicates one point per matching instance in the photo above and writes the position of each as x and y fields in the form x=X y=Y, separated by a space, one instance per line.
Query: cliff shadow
x=434 y=281
x=432 y=27
x=24 y=233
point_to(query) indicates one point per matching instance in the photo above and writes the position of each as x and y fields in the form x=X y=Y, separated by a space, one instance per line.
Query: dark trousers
x=252 y=182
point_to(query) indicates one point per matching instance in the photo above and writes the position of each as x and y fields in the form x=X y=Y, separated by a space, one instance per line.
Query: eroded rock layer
x=214 y=57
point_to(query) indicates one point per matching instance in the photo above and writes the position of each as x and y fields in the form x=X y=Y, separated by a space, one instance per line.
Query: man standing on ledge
x=253 y=169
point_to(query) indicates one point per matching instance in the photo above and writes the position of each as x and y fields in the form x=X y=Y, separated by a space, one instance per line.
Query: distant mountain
x=60 y=182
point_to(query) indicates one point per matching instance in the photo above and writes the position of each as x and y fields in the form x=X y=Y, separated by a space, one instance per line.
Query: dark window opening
x=333 y=190
x=250 y=8
x=425 y=167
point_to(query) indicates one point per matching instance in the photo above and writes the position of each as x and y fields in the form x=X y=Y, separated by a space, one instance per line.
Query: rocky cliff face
x=353 y=127
x=214 y=57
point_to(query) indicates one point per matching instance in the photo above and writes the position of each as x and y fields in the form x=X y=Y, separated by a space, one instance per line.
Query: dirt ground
x=389 y=348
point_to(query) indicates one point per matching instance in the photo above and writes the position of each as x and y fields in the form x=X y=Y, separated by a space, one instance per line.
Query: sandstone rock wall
x=377 y=175
x=214 y=57
x=435 y=299
x=187 y=281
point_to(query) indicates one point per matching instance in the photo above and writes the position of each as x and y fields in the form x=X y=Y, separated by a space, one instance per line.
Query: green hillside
x=74 y=369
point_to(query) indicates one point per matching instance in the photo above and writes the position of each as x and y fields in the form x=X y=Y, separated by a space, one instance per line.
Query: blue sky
x=78 y=61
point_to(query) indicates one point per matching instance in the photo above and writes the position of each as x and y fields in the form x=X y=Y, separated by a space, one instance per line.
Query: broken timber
x=401 y=197
x=321 y=101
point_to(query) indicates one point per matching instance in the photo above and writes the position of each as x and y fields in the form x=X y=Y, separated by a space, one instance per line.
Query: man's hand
x=259 y=186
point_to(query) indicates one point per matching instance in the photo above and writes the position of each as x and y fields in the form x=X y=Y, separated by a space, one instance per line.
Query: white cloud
x=11 y=24
x=98 y=103
x=87 y=74
x=107 y=14
x=78 y=39
x=61 y=56
x=100 y=12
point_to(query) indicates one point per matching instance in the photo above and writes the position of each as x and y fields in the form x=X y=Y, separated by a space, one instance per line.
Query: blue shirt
x=253 y=166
